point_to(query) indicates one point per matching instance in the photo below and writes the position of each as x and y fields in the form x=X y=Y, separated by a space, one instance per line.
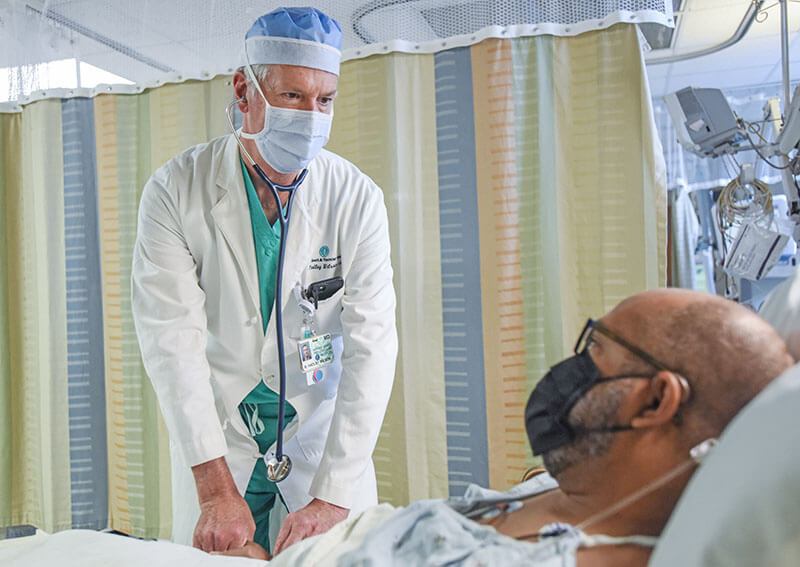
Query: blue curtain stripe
x=85 y=355
x=467 y=438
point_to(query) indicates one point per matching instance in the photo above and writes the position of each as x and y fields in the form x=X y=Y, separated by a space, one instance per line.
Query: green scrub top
x=259 y=409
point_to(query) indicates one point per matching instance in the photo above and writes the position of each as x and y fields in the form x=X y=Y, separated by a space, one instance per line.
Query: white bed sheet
x=85 y=548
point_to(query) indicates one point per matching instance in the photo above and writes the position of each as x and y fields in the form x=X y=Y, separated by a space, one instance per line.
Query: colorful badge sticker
x=315 y=352
x=315 y=376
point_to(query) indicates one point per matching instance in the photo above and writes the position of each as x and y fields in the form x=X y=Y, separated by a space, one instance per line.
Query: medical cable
x=738 y=202
x=755 y=147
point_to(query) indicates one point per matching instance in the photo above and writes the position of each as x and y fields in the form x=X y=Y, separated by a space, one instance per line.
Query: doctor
x=203 y=286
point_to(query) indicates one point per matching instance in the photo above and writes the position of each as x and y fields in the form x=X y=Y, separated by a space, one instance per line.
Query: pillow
x=742 y=506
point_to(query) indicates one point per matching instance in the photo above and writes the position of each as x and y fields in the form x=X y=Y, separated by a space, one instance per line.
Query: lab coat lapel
x=232 y=216
x=304 y=231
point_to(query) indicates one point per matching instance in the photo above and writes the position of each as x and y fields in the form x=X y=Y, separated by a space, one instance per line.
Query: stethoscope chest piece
x=278 y=470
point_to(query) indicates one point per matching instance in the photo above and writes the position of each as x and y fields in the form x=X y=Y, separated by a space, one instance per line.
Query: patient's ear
x=668 y=391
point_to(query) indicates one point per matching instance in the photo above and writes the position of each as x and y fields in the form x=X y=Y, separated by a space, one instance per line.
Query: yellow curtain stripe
x=105 y=115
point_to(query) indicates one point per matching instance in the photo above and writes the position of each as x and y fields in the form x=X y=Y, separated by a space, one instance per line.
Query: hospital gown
x=436 y=533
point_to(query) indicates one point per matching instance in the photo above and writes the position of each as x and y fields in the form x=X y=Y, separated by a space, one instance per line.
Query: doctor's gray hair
x=260 y=70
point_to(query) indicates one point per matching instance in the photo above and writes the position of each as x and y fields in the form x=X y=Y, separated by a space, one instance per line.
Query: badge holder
x=314 y=350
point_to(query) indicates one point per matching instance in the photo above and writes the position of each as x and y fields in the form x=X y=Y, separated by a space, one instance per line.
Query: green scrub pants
x=260 y=413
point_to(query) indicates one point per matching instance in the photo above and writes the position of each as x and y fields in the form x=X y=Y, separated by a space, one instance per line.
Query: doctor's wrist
x=213 y=480
x=330 y=505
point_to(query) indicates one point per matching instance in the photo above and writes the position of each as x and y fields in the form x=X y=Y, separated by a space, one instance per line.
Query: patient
x=662 y=372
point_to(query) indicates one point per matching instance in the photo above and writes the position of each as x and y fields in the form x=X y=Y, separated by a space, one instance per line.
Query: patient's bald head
x=725 y=353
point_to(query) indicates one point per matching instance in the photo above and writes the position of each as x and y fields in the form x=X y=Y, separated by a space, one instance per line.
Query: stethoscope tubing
x=283 y=219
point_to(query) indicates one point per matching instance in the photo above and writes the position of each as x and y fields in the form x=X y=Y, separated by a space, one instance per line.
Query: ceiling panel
x=754 y=60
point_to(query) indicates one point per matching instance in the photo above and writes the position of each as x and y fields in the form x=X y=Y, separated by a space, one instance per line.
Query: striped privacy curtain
x=525 y=190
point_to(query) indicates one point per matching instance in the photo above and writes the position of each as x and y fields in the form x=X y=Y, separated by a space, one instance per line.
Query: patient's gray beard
x=596 y=409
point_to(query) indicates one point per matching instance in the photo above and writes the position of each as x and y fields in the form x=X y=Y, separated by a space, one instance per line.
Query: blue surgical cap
x=295 y=36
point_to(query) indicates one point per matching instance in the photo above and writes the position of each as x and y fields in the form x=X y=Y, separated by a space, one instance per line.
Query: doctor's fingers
x=286 y=536
x=203 y=540
x=220 y=538
x=282 y=535
x=230 y=536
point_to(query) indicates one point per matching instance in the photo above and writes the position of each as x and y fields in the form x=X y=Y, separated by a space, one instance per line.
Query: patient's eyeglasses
x=586 y=335
x=585 y=340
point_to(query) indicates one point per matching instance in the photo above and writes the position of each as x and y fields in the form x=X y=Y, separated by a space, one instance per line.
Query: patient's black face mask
x=547 y=412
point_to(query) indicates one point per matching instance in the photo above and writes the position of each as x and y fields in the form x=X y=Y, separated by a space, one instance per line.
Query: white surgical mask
x=290 y=138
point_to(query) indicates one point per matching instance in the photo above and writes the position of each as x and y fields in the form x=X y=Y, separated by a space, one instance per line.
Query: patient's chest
x=613 y=556
x=526 y=522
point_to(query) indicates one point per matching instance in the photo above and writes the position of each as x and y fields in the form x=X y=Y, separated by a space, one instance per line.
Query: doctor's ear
x=667 y=393
x=240 y=87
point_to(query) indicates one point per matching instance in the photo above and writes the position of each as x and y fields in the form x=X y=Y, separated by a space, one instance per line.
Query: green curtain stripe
x=535 y=116
x=141 y=436
x=548 y=211
x=39 y=345
x=530 y=118
x=9 y=175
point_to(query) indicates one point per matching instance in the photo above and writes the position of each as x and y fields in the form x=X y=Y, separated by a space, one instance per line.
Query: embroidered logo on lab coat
x=324 y=251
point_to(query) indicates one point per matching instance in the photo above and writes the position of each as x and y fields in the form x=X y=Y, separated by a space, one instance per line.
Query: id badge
x=315 y=352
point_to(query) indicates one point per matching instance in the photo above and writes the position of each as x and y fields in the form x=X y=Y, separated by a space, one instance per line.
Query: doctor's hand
x=225 y=519
x=316 y=518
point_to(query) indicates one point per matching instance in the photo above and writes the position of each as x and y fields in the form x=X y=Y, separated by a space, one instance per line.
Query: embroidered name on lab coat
x=328 y=263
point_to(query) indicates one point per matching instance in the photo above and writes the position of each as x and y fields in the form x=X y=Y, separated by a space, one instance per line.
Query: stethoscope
x=279 y=465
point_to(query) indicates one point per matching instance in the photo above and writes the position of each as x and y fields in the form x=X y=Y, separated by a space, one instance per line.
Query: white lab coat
x=196 y=307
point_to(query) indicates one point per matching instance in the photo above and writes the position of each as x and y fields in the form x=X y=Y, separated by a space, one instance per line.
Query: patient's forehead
x=630 y=321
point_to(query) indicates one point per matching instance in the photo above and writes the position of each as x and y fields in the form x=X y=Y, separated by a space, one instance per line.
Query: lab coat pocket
x=328 y=314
